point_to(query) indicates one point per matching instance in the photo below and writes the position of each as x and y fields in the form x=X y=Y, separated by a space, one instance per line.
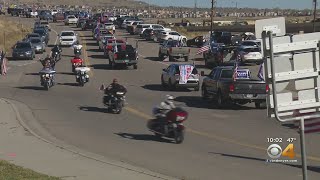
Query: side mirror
x=202 y=73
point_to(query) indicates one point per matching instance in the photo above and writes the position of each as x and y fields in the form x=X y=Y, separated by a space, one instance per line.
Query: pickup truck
x=221 y=85
x=173 y=49
x=123 y=55
x=58 y=17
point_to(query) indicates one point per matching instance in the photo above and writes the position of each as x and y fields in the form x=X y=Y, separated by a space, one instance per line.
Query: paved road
x=219 y=144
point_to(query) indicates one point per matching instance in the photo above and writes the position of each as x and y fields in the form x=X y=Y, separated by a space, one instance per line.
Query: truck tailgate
x=177 y=51
x=249 y=87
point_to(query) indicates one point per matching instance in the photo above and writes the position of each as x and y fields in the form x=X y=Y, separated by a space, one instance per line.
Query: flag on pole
x=260 y=73
x=310 y=125
x=203 y=49
x=235 y=71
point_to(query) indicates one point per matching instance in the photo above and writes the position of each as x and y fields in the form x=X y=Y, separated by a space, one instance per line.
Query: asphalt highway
x=223 y=144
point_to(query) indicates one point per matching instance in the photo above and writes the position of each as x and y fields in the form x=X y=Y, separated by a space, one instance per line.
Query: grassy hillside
x=10 y=33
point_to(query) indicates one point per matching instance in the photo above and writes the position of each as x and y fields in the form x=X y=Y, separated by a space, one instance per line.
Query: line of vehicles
x=220 y=85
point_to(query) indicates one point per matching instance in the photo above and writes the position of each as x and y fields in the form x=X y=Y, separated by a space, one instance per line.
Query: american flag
x=203 y=49
x=310 y=125
x=260 y=73
x=235 y=72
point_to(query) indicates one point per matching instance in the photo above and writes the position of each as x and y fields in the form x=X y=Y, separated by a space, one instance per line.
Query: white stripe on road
x=55 y=43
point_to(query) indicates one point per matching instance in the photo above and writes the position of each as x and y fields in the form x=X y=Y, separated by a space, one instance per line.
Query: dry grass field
x=10 y=33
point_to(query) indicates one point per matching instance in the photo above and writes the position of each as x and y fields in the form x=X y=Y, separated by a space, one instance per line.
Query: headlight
x=47 y=75
x=28 y=52
x=43 y=75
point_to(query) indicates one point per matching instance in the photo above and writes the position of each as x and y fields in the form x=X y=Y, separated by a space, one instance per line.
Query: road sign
x=276 y=25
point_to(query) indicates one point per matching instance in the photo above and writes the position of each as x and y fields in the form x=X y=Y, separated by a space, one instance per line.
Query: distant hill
x=101 y=3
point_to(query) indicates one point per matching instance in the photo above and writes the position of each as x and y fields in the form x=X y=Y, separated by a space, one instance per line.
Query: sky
x=284 y=4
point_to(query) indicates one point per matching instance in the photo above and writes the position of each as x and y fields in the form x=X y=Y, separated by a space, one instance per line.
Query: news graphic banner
x=185 y=72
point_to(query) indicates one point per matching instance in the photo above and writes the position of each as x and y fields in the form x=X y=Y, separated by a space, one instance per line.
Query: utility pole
x=314 y=15
x=212 y=11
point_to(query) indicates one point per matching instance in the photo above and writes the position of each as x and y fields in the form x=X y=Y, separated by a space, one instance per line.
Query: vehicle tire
x=219 y=100
x=197 y=88
x=186 y=59
x=171 y=58
x=163 y=84
x=135 y=66
x=178 y=136
x=171 y=86
x=257 y=105
x=119 y=109
x=204 y=93
x=47 y=86
x=160 y=57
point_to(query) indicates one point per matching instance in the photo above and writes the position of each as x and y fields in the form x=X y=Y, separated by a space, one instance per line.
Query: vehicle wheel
x=160 y=57
x=47 y=86
x=204 y=93
x=197 y=88
x=163 y=84
x=186 y=59
x=171 y=86
x=171 y=58
x=220 y=103
x=178 y=136
x=135 y=66
x=119 y=109
x=257 y=105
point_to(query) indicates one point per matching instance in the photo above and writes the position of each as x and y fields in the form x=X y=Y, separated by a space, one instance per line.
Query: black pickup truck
x=222 y=87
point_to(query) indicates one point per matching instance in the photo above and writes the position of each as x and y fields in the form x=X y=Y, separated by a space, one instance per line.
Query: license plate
x=21 y=55
x=249 y=95
x=254 y=55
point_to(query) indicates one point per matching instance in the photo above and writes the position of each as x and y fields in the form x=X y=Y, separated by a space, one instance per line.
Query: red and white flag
x=310 y=125
x=203 y=49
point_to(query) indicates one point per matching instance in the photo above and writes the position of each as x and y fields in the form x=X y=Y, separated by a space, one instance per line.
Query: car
x=131 y=28
x=54 y=11
x=141 y=27
x=45 y=15
x=71 y=19
x=224 y=88
x=88 y=24
x=58 y=17
x=250 y=54
x=46 y=24
x=171 y=77
x=104 y=39
x=35 y=35
x=37 y=44
x=123 y=55
x=109 y=45
x=43 y=33
x=172 y=35
x=197 y=41
x=256 y=43
x=68 y=38
x=23 y=50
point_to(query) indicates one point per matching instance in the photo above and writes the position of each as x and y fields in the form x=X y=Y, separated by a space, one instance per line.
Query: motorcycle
x=82 y=76
x=169 y=125
x=47 y=78
x=56 y=56
x=114 y=102
x=76 y=63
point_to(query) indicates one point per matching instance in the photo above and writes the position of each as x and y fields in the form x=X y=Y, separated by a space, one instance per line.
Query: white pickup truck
x=68 y=38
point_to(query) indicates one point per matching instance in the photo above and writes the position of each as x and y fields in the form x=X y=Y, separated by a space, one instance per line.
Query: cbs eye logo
x=275 y=151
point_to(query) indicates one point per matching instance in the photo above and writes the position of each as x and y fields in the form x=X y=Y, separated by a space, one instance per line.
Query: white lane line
x=55 y=43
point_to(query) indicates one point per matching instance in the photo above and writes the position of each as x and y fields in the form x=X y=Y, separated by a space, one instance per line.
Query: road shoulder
x=22 y=146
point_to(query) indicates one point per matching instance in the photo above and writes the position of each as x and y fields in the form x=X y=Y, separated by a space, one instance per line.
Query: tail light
x=115 y=56
x=170 y=50
x=231 y=87
x=109 y=47
x=181 y=116
x=267 y=88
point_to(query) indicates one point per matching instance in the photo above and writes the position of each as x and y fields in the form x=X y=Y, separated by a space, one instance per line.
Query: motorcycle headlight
x=47 y=75
x=28 y=52
x=43 y=75
x=51 y=75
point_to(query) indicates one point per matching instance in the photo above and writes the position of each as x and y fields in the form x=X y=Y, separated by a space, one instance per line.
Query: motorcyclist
x=77 y=49
x=115 y=87
x=48 y=62
x=76 y=60
x=56 y=49
x=164 y=107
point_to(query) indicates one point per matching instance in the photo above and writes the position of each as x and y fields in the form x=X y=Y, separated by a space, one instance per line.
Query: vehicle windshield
x=251 y=43
x=33 y=35
x=251 y=50
x=35 y=40
x=44 y=22
x=23 y=45
x=173 y=43
x=41 y=32
x=67 y=34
